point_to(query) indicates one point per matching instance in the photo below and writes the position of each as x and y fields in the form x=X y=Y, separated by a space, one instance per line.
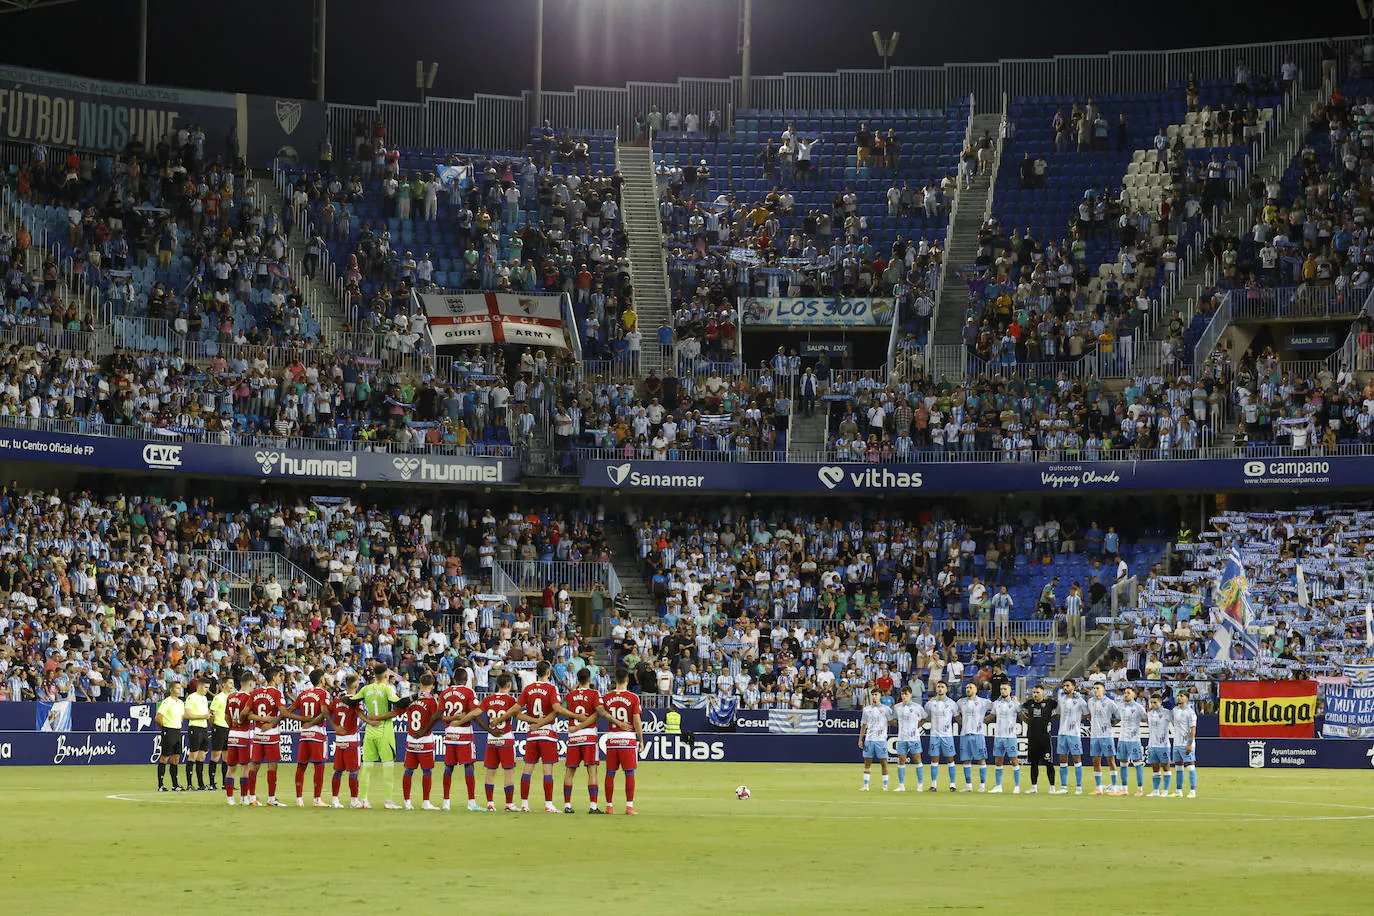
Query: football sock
x=548 y=789
x=934 y=774
x=406 y=777
x=229 y=788
x=1178 y=778
x=161 y=774
x=968 y=775
x=353 y=783
x=629 y=787
x=610 y=788
x=1139 y=776
x=1016 y=776
x=1064 y=775
x=223 y=772
x=884 y=782
x=510 y=793
x=951 y=774
x=592 y=790
x=190 y=768
x=448 y=781
x=471 y=779
x=1154 y=781
x=1192 y=777
x=335 y=782
x=1078 y=775
x=982 y=774
x=901 y=775
x=525 y=788
x=867 y=778
x=319 y=779
x=365 y=778
x=491 y=791
x=200 y=774
x=300 y=779
x=388 y=769
x=1097 y=778
x=997 y=776
x=271 y=783
x=1123 y=775
x=426 y=782
x=567 y=793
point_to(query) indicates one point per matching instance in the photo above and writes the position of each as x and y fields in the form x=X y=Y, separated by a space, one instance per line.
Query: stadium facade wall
x=502 y=122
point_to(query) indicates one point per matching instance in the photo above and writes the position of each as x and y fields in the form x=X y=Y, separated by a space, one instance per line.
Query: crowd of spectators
x=107 y=597
x=1302 y=627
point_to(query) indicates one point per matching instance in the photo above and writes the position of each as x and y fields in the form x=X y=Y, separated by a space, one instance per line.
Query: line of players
x=255 y=711
x=1172 y=734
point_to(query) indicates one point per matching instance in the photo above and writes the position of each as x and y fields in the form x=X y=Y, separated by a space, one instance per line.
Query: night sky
x=263 y=46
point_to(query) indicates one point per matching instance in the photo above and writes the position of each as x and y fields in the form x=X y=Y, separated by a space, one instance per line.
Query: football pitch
x=97 y=839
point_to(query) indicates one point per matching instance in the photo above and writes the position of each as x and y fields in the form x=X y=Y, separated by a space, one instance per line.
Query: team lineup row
x=1172 y=734
x=248 y=740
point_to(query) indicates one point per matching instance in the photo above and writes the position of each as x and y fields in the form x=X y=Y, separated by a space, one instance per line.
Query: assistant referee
x=1037 y=713
x=170 y=713
x=197 y=731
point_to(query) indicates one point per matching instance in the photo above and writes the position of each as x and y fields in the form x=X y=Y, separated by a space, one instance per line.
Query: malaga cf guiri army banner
x=466 y=319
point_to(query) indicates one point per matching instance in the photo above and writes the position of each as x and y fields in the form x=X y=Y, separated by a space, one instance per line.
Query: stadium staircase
x=625 y=561
x=1234 y=220
x=962 y=248
x=806 y=435
x=1084 y=654
x=328 y=311
x=648 y=269
x=242 y=569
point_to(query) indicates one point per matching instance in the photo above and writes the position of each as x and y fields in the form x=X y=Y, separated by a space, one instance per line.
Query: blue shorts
x=875 y=750
x=1007 y=748
x=941 y=747
x=1159 y=755
x=1129 y=751
x=1182 y=755
x=973 y=747
x=1069 y=746
x=909 y=748
x=1101 y=747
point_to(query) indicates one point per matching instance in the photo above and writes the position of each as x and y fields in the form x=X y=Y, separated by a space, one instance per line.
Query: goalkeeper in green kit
x=379 y=742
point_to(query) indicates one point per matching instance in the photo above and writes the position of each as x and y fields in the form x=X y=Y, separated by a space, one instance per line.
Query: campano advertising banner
x=1267 y=709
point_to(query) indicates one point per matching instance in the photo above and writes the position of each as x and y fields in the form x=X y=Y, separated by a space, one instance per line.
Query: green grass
x=807 y=842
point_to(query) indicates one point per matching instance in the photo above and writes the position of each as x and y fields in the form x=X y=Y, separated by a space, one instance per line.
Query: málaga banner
x=1350 y=707
x=1268 y=709
x=465 y=319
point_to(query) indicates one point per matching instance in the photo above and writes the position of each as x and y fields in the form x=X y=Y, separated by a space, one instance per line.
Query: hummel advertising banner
x=644 y=475
x=199 y=458
x=466 y=319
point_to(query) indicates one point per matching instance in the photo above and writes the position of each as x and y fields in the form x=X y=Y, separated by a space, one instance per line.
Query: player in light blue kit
x=910 y=715
x=1006 y=720
x=940 y=712
x=1185 y=734
x=1069 y=740
x=1101 y=746
x=873 y=735
x=973 y=736
x=1128 y=749
x=1160 y=721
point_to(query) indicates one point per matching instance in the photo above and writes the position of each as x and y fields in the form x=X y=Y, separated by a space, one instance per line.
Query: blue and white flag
x=1233 y=614
x=1349 y=710
x=690 y=701
x=720 y=710
x=793 y=721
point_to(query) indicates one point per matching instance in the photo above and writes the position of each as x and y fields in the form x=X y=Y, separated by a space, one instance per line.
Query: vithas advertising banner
x=1268 y=709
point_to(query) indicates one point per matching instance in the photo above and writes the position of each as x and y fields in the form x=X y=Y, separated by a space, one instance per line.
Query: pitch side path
x=96 y=838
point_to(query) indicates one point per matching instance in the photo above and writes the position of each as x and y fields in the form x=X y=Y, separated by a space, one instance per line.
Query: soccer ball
x=741 y=792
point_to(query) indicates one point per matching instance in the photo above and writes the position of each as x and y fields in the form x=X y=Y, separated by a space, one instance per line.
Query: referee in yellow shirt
x=170 y=713
x=219 y=732
x=197 y=731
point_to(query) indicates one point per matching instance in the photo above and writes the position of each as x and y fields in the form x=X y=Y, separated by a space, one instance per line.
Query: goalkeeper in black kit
x=1038 y=711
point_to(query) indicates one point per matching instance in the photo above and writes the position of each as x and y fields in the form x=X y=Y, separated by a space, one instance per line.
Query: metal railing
x=579 y=577
x=252 y=567
x=1305 y=301
x=1221 y=320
